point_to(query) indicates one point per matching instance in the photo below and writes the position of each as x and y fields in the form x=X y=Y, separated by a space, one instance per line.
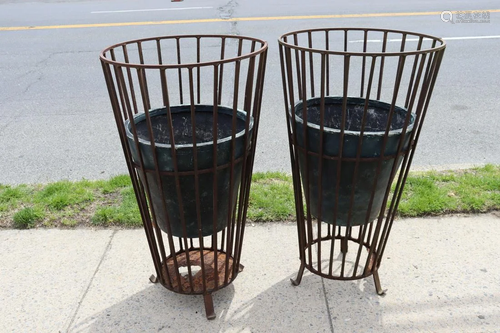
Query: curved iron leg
x=376 y=279
x=209 y=306
x=297 y=281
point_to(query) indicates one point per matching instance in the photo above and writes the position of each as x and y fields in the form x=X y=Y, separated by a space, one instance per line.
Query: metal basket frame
x=350 y=63
x=144 y=74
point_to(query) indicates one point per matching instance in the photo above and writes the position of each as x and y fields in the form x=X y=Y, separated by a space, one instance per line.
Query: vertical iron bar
x=126 y=150
x=292 y=140
x=221 y=75
x=158 y=51
x=198 y=77
x=130 y=82
x=256 y=115
x=363 y=66
x=179 y=61
x=381 y=71
x=373 y=249
x=321 y=156
x=184 y=248
x=429 y=88
x=229 y=244
x=145 y=97
x=358 y=161
x=311 y=66
x=236 y=212
x=412 y=76
x=197 y=180
x=215 y=171
x=297 y=65
x=143 y=83
x=249 y=82
x=327 y=47
x=246 y=180
x=347 y=59
x=121 y=88
x=416 y=122
x=306 y=155
x=120 y=78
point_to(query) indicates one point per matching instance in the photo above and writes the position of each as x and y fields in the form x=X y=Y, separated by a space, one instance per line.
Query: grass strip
x=112 y=202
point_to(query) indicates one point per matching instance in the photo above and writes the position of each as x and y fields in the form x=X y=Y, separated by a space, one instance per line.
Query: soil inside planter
x=183 y=128
x=376 y=118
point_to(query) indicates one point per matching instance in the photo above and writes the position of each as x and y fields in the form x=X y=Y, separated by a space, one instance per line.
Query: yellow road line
x=239 y=19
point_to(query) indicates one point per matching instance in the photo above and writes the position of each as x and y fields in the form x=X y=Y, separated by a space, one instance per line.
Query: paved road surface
x=55 y=116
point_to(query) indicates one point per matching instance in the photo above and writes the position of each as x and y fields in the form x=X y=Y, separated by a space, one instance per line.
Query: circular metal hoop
x=402 y=36
x=349 y=265
x=108 y=54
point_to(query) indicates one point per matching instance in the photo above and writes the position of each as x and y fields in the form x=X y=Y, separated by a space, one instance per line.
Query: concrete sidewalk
x=442 y=275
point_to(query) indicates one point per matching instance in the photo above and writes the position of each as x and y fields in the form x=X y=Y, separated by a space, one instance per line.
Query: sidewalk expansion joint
x=327 y=305
x=108 y=247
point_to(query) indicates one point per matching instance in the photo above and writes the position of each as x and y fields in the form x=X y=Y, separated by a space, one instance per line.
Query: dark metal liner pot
x=181 y=118
x=371 y=147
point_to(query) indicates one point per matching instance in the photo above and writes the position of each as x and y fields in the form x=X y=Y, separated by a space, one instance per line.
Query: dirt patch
x=496 y=213
x=376 y=118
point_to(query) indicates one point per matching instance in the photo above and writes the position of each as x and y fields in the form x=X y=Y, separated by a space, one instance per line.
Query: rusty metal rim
x=363 y=54
x=310 y=266
x=339 y=237
x=102 y=56
x=340 y=278
x=188 y=145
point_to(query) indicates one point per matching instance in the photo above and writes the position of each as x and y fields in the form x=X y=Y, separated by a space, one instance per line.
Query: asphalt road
x=55 y=116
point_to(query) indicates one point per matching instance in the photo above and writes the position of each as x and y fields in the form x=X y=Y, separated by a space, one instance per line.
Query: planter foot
x=209 y=306
x=240 y=268
x=297 y=281
x=376 y=279
x=153 y=279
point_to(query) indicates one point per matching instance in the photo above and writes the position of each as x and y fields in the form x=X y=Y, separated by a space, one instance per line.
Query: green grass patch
x=112 y=202
x=10 y=194
x=27 y=218
x=11 y=197
x=271 y=197
x=60 y=195
x=424 y=194
x=115 y=184
x=125 y=212
x=463 y=191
